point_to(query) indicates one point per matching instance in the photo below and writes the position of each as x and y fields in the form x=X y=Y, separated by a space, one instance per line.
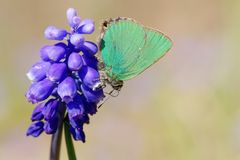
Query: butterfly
x=127 y=48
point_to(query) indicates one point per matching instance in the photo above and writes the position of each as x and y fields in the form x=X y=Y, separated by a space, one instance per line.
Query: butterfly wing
x=156 y=46
x=119 y=44
x=129 y=48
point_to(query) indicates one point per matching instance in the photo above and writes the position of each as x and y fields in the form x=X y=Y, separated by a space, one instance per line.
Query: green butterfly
x=128 y=48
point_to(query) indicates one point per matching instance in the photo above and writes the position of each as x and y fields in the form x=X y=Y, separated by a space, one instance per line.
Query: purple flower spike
x=54 y=33
x=35 y=129
x=51 y=125
x=57 y=72
x=86 y=27
x=89 y=48
x=92 y=96
x=71 y=14
x=75 y=61
x=67 y=89
x=38 y=71
x=52 y=53
x=50 y=109
x=90 y=77
x=37 y=114
x=66 y=83
x=77 y=40
x=40 y=91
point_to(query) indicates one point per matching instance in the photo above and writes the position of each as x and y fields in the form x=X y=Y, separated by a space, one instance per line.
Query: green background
x=185 y=107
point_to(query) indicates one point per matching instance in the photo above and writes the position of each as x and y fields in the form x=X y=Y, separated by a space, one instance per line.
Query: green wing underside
x=129 y=48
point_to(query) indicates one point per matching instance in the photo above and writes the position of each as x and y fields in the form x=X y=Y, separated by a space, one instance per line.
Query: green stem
x=69 y=143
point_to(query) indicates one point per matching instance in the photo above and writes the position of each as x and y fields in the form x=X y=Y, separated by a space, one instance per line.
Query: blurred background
x=185 y=107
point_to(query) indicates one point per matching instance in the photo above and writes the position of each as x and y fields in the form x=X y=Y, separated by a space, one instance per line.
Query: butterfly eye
x=105 y=24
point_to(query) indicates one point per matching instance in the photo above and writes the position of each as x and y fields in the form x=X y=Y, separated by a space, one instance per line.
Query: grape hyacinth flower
x=63 y=80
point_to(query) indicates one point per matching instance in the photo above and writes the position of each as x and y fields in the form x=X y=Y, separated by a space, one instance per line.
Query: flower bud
x=71 y=14
x=35 y=129
x=90 y=77
x=57 y=72
x=61 y=44
x=75 y=108
x=52 y=53
x=51 y=108
x=40 y=91
x=90 y=107
x=78 y=134
x=38 y=71
x=67 y=89
x=89 y=48
x=86 y=27
x=78 y=122
x=37 y=114
x=50 y=126
x=76 y=21
x=75 y=61
x=90 y=61
x=92 y=96
x=54 y=92
x=54 y=33
x=77 y=40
